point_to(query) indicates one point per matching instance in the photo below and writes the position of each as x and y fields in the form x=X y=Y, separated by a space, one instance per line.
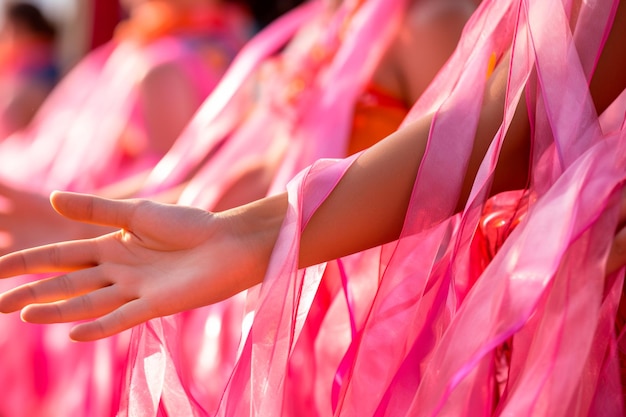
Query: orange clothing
x=377 y=114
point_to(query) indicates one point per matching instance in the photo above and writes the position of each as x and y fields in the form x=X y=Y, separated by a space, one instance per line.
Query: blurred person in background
x=120 y=109
x=28 y=64
x=115 y=113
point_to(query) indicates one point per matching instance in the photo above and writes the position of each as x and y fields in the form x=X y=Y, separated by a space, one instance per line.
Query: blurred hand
x=165 y=259
x=27 y=219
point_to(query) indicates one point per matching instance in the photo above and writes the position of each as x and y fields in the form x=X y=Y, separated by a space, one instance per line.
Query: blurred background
x=81 y=24
x=42 y=40
x=85 y=24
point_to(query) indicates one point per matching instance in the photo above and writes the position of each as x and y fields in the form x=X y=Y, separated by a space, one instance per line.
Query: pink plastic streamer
x=225 y=108
x=427 y=347
x=53 y=118
x=74 y=138
x=287 y=136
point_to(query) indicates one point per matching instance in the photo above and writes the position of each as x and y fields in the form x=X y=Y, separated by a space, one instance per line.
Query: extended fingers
x=53 y=289
x=88 y=306
x=56 y=257
x=128 y=315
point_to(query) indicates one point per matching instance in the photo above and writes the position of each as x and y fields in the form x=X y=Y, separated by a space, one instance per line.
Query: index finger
x=93 y=209
x=55 y=257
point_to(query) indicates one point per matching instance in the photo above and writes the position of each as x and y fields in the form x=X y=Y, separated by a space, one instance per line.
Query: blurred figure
x=142 y=89
x=318 y=95
x=114 y=114
x=214 y=30
x=120 y=109
x=28 y=64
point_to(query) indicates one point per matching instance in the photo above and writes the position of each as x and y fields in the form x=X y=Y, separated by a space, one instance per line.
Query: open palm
x=163 y=260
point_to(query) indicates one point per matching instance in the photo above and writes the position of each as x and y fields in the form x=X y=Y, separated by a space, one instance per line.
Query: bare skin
x=127 y=277
x=106 y=269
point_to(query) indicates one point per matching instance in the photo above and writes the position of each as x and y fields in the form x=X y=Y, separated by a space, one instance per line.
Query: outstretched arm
x=167 y=258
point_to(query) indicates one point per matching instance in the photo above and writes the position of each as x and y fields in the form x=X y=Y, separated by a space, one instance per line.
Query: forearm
x=368 y=206
x=366 y=209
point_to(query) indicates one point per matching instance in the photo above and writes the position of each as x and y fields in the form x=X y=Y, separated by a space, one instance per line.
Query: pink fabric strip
x=344 y=366
x=428 y=337
x=225 y=107
x=262 y=366
x=452 y=343
x=50 y=122
x=289 y=134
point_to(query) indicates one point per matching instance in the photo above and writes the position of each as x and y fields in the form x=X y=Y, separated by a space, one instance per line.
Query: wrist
x=256 y=227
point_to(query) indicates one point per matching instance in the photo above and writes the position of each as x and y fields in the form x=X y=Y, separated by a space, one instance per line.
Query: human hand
x=165 y=259
x=27 y=220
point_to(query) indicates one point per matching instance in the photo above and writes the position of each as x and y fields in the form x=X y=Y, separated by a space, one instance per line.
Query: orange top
x=377 y=114
x=158 y=18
